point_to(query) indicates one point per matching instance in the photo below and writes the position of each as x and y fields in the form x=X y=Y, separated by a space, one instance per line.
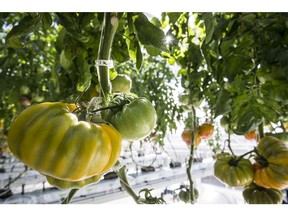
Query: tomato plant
x=135 y=117
x=49 y=138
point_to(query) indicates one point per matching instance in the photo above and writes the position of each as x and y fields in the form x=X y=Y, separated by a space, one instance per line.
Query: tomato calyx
x=262 y=161
x=233 y=161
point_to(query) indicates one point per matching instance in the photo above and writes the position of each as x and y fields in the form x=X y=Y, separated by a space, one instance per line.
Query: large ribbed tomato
x=254 y=194
x=134 y=119
x=49 y=138
x=234 y=172
x=271 y=167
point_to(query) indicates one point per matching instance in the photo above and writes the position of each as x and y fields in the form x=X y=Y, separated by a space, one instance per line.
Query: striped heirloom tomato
x=49 y=138
x=254 y=194
x=234 y=171
x=271 y=167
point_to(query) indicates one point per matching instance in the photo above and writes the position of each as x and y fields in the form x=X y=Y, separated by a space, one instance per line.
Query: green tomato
x=254 y=194
x=183 y=99
x=135 y=118
x=233 y=172
x=121 y=83
x=184 y=195
x=49 y=138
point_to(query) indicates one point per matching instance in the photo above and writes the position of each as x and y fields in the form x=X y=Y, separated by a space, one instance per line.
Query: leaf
x=46 y=20
x=26 y=26
x=64 y=62
x=209 y=26
x=139 y=57
x=223 y=102
x=84 y=73
x=149 y=34
x=235 y=65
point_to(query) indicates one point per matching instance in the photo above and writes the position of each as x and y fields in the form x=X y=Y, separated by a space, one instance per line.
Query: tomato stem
x=106 y=108
x=191 y=157
x=110 y=25
x=16 y=178
x=282 y=126
x=242 y=156
x=229 y=135
x=70 y=196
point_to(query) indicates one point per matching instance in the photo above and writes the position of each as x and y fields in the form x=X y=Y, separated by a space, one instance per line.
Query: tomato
x=252 y=135
x=187 y=136
x=135 y=118
x=183 y=99
x=121 y=83
x=64 y=185
x=234 y=172
x=184 y=195
x=254 y=194
x=281 y=136
x=272 y=164
x=49 y=138
x=192 y=99
x=206 y=130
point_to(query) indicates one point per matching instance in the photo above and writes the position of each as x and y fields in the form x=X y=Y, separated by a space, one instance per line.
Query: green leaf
x=149 y=34
x=223 y=102
x=235 y=65
x=14 y=42
x=46 y=20
x=209 y=25
x=84 y=73
x=26 y=26
x=139 y=57
x=64 y=62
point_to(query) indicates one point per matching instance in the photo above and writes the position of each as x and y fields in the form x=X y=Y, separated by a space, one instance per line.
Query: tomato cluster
x=204 y=131
x=62 y=142
x=263 y=179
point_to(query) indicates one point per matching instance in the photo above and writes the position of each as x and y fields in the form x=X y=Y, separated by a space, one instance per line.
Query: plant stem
x=241 y=156
x=125 y=185
x=229 y=135
x=261 y=130
x=70 y=196
x=110 y=25
x=16 y=178
x=191 y=158
x=105 y=108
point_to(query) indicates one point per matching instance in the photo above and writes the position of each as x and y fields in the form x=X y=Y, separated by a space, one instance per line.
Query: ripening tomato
x=187 y=136
x=252 y=135
x=49 y=138
x=206 y=130
x=271 y=168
